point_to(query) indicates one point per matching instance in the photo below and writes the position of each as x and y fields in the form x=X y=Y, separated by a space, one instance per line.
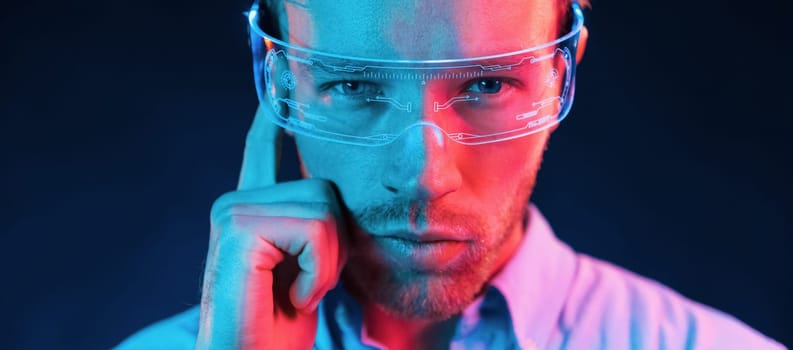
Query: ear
x=582 y=40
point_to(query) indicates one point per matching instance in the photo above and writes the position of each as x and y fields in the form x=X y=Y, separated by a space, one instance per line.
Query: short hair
x=272 y=9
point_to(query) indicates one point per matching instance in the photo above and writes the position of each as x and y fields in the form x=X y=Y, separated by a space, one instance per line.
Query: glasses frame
x=575 y=29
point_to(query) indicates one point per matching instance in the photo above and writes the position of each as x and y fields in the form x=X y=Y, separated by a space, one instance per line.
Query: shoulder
x=173 y=333
x=617 y=309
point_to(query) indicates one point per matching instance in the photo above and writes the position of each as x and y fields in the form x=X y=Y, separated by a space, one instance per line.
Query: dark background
x=123 y=120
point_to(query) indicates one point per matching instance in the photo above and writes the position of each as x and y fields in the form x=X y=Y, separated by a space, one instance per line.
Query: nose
x=422 y=164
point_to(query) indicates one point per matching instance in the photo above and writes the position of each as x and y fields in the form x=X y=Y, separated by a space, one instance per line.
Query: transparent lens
x=371 y=102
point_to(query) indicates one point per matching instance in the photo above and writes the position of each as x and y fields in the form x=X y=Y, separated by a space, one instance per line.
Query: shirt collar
x=535 y=281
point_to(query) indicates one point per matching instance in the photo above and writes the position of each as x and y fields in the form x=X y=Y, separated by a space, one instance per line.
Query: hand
x=274 y=251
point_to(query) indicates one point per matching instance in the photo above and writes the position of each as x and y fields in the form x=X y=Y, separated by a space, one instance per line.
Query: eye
x=485 y=86
x=353 y=88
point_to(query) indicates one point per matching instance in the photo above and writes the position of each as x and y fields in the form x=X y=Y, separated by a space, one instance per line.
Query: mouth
x=424 y=251
x=424 y=237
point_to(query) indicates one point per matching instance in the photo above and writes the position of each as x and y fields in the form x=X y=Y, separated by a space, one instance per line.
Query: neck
x=412 y=333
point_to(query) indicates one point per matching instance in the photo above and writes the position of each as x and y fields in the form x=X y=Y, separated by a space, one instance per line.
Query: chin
x=425 y=288
x=406 y=293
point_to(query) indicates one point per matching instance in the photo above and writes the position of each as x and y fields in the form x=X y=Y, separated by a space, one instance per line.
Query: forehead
x=415 y=29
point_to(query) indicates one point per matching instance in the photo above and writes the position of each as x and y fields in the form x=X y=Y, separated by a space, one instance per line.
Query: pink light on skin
x=422 y=184
x=272 y=299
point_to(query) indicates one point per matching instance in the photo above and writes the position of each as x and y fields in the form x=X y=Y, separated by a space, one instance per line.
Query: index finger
x=262 y=154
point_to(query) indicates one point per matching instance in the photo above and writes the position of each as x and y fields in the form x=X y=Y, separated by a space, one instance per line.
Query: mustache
x=405 y=214
x=390 y=215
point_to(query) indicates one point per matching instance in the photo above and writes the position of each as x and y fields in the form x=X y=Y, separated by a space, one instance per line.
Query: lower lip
x=422 y=255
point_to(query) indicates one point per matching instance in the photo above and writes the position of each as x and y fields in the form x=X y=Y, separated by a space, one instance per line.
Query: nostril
x=391 y=189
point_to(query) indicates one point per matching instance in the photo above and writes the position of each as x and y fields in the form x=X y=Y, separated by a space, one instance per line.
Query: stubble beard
x=408 y=293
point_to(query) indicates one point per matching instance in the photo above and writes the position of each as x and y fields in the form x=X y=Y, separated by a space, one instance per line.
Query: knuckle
x=221 y=204
x=228 y=218
x=315 y=229
x=219 y=219
x=235 y=221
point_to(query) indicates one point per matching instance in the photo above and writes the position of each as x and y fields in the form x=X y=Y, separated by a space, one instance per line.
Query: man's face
x=431 y=219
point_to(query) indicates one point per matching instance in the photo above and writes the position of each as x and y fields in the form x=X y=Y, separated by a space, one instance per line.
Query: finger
x=258 y=306
x=332 y=269
x=317 y=261
x=314 y=194
x=298 y=210
x=311 y=240
x=239 y=291
x=316 y=277
x=262 y=154
x=309 y=278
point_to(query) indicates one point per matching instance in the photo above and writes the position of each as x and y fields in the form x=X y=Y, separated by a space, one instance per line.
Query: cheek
x=321 y=159
x=501 y=169
x=352 y=169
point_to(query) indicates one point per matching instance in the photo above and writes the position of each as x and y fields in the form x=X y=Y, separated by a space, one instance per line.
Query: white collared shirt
x=545 y=297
